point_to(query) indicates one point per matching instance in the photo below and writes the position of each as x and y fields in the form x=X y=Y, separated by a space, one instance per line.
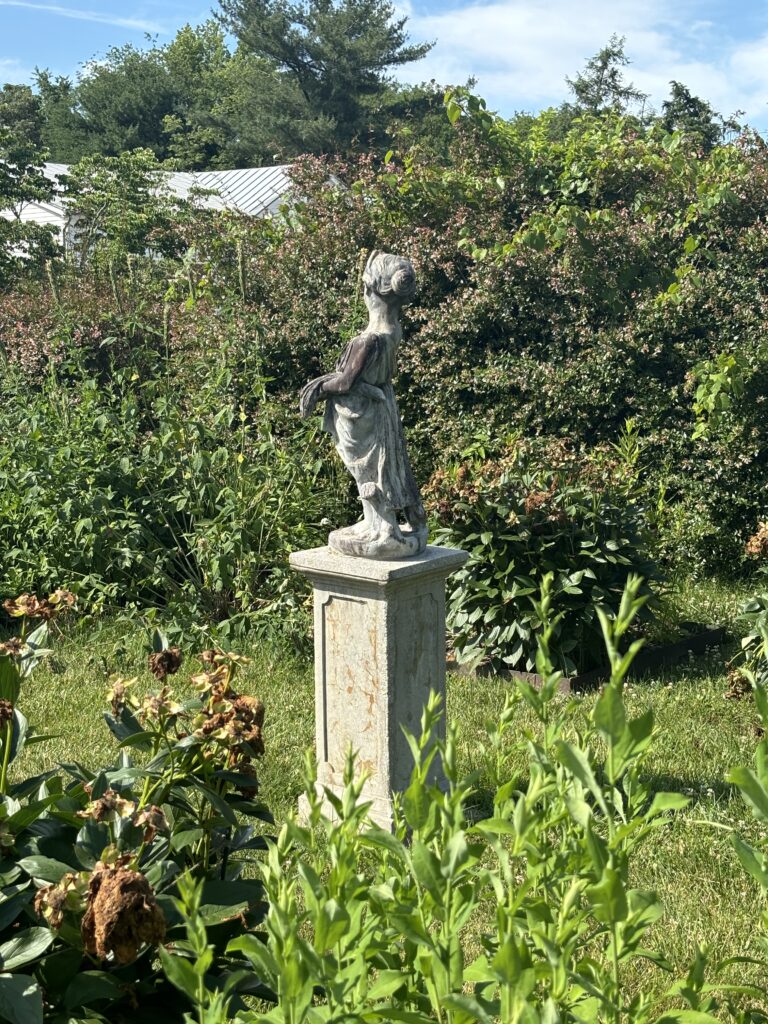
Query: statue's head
x=390 y=277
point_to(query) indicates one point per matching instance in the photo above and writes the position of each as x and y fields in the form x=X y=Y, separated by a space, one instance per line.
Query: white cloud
x=139 y=24
x=520 y=51
x=13 y=71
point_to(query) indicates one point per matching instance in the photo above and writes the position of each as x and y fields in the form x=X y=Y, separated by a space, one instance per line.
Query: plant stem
x=6 y=757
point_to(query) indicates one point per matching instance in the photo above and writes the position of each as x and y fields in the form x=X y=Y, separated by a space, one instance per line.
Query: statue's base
x=356 y=542
x=379 y=650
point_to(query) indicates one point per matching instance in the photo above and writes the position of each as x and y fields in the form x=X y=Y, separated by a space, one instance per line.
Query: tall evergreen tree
x=684 y=112
x=601 y=86
x=334 y=56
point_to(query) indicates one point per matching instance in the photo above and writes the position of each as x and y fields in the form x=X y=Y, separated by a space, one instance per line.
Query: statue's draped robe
x=368 y=432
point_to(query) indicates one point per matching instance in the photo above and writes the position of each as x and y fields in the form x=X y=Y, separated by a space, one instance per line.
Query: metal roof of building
x=257 y=191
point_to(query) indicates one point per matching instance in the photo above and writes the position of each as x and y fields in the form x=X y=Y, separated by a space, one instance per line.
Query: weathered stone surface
x=379 y=650
x=362 y=417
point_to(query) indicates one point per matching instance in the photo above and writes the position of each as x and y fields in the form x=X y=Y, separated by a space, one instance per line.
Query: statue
x=362 y=417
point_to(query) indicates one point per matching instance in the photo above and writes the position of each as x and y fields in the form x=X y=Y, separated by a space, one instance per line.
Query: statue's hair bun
x=404 y=282
x=387 y=274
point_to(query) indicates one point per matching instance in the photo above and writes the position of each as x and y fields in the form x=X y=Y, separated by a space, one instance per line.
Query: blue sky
x=519 y=50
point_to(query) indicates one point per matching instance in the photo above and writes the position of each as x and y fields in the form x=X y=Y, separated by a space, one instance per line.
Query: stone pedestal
x=379 y=650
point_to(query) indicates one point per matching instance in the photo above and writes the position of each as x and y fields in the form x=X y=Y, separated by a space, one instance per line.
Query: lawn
x=701 y=733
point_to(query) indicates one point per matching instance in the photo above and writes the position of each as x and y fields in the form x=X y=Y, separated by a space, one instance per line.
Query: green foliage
x=123 y=206
x=752 y=658
x=23 y=246
x=721 y=382
x=601 y=86
x=335 y=55
x=523 y=514
x=368 y=925
x=145 y=493
x=684 y=112
x=98 y=867
x=305 y=79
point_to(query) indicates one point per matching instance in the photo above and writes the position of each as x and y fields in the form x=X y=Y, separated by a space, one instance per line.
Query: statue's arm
x=361 y=350
x=340 y=382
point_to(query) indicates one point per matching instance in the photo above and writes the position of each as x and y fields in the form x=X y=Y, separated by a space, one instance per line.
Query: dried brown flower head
x=153 y=820
x=165 y=663
x=108 y=807
x=52 y=900
x=206 y=682
x=160 y=705
x=12 y=647
x=250 y=713
x=61 y=599
x=121 y=914
x=6 y=712
x=119 y=695
x=536 y=500
x=23 y=605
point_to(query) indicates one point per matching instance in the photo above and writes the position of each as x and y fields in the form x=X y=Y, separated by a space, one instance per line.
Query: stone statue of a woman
x=362 y=417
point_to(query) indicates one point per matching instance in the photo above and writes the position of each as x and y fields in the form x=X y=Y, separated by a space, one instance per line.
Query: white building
x=257 y=191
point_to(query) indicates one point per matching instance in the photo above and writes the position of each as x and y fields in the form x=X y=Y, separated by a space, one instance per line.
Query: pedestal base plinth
x=379 y=650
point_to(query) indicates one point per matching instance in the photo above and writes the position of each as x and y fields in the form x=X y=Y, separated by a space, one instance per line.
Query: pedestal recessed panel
x=354 y=676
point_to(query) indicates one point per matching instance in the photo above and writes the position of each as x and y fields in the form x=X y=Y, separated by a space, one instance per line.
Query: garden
x=582 y=379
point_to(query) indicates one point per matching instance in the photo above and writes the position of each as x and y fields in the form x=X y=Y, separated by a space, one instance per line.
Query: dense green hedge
x=566 y=285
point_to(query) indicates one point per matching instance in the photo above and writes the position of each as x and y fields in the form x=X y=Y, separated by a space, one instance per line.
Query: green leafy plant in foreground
x=365 y=925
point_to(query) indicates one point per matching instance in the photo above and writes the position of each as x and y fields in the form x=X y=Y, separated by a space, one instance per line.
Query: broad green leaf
x=45 y=868
x=21 y=1001
x=180 y=973
x=752 y=790
x=686 y=1017
x=576 y=761
x=666 y=802
x=331 y=924
x=608 y=898
x=426 y=867
x=386 y=984
x=24 y=947
x=609 y=715
x=91 y=987
x=416 y=803
x=750 y=861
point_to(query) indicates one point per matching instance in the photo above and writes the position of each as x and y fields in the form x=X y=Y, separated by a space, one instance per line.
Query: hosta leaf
x=21 y=1001
x=24 y=947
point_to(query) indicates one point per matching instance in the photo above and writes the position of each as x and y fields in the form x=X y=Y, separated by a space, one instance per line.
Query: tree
x=124 y=206
x=65 y=133
x=21 y=114
x=683 y=112
x=333 y=57
x=22 y=181
x=124 y=98
x=601 y=87
x=198 y=65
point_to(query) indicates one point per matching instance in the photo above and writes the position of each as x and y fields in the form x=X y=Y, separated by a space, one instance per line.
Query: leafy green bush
x=528 y=916
x=91 y=861
x=567 y=282
x=521 y=514
x=150 y=492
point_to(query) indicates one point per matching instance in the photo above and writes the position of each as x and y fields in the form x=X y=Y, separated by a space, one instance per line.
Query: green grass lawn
x=700 y=735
